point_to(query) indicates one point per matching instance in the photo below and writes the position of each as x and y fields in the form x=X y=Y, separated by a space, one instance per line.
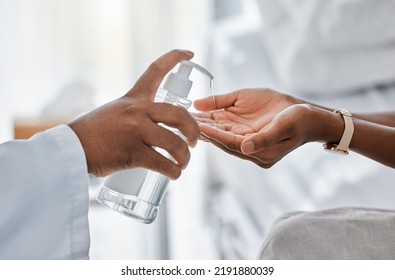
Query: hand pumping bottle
x=138 y=192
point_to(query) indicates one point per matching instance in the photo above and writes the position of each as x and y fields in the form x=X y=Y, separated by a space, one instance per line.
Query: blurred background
x=62 y=58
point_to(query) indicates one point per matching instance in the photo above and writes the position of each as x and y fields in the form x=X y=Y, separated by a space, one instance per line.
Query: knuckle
x=166 y=166
x=177 y=110
x=132 y=108
x=156 y=66
x=181 y=153
x=133 y=125
x=170 y=168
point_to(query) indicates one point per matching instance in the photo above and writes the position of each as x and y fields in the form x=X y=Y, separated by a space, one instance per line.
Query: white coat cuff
x=77 y=175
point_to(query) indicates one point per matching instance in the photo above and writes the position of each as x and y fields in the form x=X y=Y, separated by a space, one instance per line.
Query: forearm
x=383 y=118
x=45 y=197
x=374 y=134
x=386 y=119
x=375 y=141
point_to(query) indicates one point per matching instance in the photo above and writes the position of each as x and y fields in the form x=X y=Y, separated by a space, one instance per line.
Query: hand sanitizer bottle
x=138 y=192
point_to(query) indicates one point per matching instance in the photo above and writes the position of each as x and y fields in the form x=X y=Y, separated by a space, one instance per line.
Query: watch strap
x=348 y=132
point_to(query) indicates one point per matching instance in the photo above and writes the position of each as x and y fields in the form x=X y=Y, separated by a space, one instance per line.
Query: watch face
x=332 y=148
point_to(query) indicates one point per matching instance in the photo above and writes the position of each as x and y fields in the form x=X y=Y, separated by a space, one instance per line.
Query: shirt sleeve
x=44 y=197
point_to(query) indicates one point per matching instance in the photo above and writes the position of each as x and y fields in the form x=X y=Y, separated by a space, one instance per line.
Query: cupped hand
x=259 y=125
x=123 y=134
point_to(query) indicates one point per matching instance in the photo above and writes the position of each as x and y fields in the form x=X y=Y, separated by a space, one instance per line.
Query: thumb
x=148 y=83
x=253 y=144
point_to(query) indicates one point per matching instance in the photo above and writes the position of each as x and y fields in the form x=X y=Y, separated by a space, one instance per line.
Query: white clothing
x=44 y=197
x=321 y=46
x=349 y=233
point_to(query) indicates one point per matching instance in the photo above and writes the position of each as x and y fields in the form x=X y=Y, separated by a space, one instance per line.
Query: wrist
x=327 y=126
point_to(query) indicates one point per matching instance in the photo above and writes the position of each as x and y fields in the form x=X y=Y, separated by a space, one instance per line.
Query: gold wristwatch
x=342 y=147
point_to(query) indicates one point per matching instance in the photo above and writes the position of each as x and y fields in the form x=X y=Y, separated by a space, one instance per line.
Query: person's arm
x=263 y=126
x=383 y=118
x=387 y=118
x=44 y=180
x=44 y=197
x=374 y=137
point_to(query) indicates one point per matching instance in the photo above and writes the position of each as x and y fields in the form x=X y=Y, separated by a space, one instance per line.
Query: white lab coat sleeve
x=44 y=197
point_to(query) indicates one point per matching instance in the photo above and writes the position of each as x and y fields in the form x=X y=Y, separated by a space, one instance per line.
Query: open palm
x=244 y=111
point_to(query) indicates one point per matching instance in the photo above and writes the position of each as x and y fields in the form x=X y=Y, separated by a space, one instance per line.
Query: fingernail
x=192 y=144
x=248 y=147
x=189 y=52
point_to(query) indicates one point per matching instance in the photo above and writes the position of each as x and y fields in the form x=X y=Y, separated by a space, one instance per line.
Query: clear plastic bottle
x=138 y=192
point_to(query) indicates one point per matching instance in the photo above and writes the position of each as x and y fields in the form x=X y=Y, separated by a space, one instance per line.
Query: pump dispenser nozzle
x=179 y=82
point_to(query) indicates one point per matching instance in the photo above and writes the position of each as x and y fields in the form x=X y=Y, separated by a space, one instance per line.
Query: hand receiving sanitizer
x=138 y=192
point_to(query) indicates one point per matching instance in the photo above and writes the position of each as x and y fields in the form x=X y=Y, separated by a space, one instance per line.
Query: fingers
x=232 y=149
x=153 y=160
x=163 y=138
x=216 y=102
x=223 y=147
x=229 y=140
x=176 y=117
x=266 y=138
x=200 y=118
x=258 y=142
x=149 y=82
